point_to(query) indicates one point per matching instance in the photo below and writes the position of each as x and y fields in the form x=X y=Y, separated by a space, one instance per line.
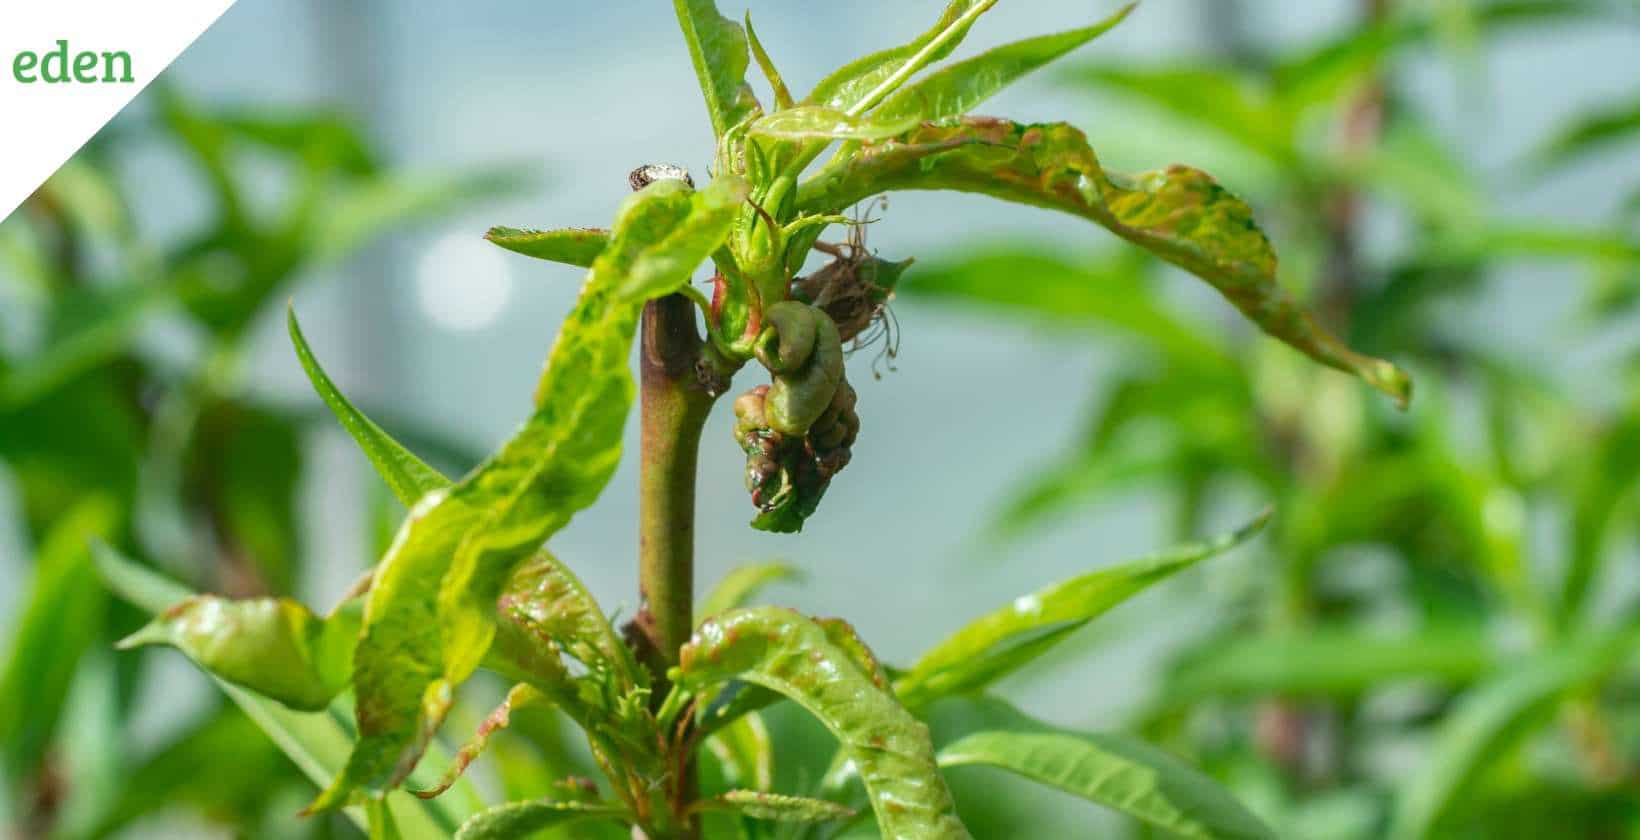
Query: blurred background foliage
x=1436 y=637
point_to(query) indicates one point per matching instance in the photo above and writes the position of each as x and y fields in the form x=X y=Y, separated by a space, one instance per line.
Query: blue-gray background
x=454 y=331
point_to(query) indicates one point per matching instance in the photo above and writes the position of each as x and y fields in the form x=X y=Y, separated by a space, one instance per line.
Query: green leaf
x=571 y=246
x=1221 y=100
x=1331 y=661
x=794 y=656
x=523 y=819
x=782 y=95
x=814 y=122
x=1490 y=719
x=93 y=326
x=1110 y=289
x=272 y=646
x=1603 y=129
x=59 y=620
x=1116 y=771
x=779 y=807
x=1000 y=642
x=955 y=90
x=717 y=47
x=519 y=697
x=1180 y=214
x=744 y=750
x=351 y=218
x=431 y=614
x=857 y=86
x=1608 y=477
x=406 y=475
x=742 y=584
x=317 y=743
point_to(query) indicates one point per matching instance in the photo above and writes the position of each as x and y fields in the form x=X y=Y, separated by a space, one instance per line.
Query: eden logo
x=54 y=67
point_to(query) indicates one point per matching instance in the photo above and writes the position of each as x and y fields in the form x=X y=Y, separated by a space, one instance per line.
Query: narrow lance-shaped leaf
x=999 y=642
x=794 y=656
x=406 y=475
x=855 y=87
x=1487 y=721
x=272 y=646
x=779 y=807
x=1116 y=771
x=813 y=122
x=431 y=617
x=782 y=95
x=525 y=819
x=571 y=246
x=58 y=622
x=717 y=47
x=955 y=90
x=740 y=585
x=1180 y=214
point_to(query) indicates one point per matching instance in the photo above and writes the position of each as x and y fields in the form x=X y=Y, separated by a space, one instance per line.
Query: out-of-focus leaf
x=857 y=86
x=742 y=584
x=1110 y=289
x=571 y=246
x=997 y=643
x=318 y=743
x=1180 y=214
x=382 y=824
x=1113 y=770
x=406 y=475
x=1223 y=101
x=815 y=122
x=60 y=618
x=1591 y=134
x=244 y=468
x=1604 y=481
x=91 y=326
x=717 y=47
x=789 y=654
x=955 y=90
x=745 y=751
x=431 y=612
x=320 y=137
x=779 y=807
x=346 y=221
x=272 y=646
x=1328 y=661
x=523 y=819
x=1492 y=718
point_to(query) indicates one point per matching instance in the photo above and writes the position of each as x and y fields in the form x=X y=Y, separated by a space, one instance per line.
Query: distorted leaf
x=779 y=807
x=272 y=646
x=571 y=246
x=523 y=819
x=999 y=642
x=814 y=122
x=789 y=654
x=318 y=743
x=1180 y=214
x=349 y=219
x=431 y=612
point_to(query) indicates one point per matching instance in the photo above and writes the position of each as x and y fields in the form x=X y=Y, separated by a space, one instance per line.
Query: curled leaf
x=794 y=656
x=779 y=807
x=272 y=646
x=519 y=697
x=431 y=614
x=1180 y=214
x=523 y=819
x=814 y=122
